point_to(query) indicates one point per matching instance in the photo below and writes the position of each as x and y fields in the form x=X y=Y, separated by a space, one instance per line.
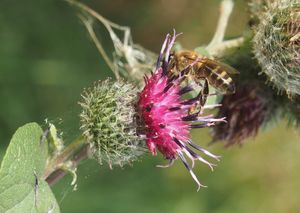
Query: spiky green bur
x=257 y=7
x=277 y=44
x=108 y=122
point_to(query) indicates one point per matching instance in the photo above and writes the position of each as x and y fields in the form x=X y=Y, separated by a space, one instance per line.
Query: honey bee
x=213 y=72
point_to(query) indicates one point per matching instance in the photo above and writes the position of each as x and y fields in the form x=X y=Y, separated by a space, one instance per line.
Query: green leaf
x=22 y=187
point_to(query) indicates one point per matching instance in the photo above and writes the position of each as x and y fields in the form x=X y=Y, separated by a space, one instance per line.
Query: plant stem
x=60 y=173
x=218 y=47
x=58 y=160
x=87 y=21
x=225 y=12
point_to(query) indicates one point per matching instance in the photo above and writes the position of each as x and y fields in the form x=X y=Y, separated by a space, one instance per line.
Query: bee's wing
x=212 y=64
x=220 y=70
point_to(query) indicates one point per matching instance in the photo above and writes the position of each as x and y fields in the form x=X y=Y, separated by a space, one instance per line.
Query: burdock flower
x=245 y=112
x=168 y=117
x=117 y=119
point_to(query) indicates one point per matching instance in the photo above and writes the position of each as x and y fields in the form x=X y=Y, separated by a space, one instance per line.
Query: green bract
x=277 y=44
x=108 y=122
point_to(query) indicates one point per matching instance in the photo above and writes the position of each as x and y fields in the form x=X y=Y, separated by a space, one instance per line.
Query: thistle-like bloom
x=168 y=117
x=245 y=112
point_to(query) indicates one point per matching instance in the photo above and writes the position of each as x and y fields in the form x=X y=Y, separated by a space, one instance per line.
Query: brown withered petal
x=245 y=111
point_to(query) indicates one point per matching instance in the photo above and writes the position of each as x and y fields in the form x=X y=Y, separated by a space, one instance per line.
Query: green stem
x=57 y=161
x=60 y=173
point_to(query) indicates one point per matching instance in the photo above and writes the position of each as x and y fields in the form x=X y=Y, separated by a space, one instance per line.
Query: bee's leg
x=202 y=97
x=204 y=93
x=196 y=108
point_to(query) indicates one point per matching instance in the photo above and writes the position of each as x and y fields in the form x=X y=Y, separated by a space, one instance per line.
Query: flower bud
x=277 y=44
x=108 y=122
x=245 y=112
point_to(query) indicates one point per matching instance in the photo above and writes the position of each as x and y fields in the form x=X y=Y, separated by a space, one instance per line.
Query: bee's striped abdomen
x=218 y=78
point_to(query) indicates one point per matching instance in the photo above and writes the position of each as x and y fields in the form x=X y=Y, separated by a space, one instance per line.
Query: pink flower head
x=167 y=115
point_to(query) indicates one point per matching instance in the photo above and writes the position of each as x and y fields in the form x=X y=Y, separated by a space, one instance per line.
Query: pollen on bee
x=229 y=80
x=223 y=74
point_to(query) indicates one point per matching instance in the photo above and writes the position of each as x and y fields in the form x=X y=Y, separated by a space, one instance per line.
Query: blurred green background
x=47 y=58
